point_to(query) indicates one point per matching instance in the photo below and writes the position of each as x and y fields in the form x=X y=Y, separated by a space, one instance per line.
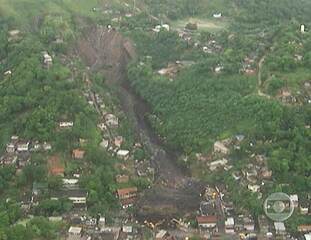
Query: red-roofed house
x=78 y=154
x=126 y=193
x=207 y=221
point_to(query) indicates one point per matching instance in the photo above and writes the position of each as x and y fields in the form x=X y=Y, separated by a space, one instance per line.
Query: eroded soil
x=174 y=192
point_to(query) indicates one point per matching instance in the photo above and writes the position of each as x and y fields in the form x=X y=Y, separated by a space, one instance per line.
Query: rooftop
x=206 y=219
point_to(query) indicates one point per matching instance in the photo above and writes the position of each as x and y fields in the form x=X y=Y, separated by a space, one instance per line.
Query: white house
x=217 y=15
x=249 y=224
x=229 y=225
x=111 y=120
x=279 y=228
x=218 y=163
x=127 y=229
x=7 y=73
x=219 y=147
x=294 y=200
x=23 y=146
x=75 y=231
x=10 y=148
x=65 y=124
x=253 y=188
x=302 y=28
x=47 y=59
x=307 y=236
x=123 y=154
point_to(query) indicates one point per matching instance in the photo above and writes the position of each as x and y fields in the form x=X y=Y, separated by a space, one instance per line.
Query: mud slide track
x=174 y=192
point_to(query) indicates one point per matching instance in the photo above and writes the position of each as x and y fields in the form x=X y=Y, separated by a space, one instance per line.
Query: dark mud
x=174 y=193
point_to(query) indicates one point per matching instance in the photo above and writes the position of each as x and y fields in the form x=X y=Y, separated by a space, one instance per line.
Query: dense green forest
x=198 y=106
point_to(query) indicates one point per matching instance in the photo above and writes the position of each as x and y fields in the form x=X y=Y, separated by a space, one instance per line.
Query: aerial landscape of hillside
x=143 y=119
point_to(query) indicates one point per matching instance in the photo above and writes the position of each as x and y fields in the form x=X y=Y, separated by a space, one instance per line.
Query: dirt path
x=260 y=65
x=175 y=192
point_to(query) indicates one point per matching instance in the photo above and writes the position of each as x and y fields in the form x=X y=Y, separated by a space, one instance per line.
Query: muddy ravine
x=174 y=192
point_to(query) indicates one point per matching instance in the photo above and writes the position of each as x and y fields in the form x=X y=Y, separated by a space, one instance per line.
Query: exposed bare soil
x=174 y=193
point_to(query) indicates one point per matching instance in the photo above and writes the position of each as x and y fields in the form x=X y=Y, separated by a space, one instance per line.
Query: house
x=36 y=146
x=304 y=207
x=102 y=126
x=229 y=225
x=253 y=188
x=279 y=228
x=217 y=15
x=104 y=143
x=65 y=124
x=123 y=154
x=76 y=196
x=47 y=146
x=23 y=146
x=78 y=154
x=111 y=120
x=217 y=164
x=218 y=69
x=127 y=229
x=207 y=222
x=14 y=139
x=122 y=178
x=101 y=222
x=158 y=28
x=74 y=233
x=265 y=173
x=307 y=236
x=219 y=147
x=10 y=148
x=127 y=203
x=7 y=73
x=302 y=28
x=305 y=228
x=14 y=35
x=163 y=235
x=118 y=141
x=126 y=193
x=47 y=59
x=8 y=159
x=70 y=183
x=55 y=219
x=249 y=224
x=55 y=166
x=294 y=200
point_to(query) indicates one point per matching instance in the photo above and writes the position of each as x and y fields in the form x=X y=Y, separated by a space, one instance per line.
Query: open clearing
x=212 y=25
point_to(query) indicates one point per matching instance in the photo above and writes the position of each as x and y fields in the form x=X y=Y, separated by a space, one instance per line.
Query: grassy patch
x=204 y=24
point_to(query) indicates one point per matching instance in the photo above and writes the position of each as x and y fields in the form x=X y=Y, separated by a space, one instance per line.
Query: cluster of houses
x=218 y=216
x=97 y=229
x=158 y=28
x=249 y=65
x=18 y=151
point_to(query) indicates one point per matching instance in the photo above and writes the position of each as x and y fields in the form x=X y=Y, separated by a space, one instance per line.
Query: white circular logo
x=278 y=207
